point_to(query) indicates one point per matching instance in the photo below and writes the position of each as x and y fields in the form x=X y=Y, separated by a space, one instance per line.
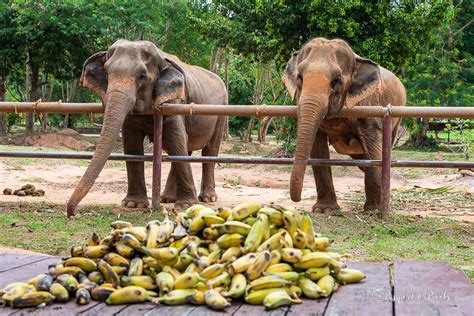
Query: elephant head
x=323 y=77
x=128 y=77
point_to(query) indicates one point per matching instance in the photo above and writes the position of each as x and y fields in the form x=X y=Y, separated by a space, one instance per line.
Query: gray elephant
x=131 y=77
x=323 y=77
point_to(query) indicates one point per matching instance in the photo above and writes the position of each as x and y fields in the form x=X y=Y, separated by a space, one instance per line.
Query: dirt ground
x=234 y=183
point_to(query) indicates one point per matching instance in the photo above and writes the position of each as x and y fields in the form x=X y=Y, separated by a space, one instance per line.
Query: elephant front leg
x=170 y=193
x=180 y=179
x=133 y=144
x=323 y=176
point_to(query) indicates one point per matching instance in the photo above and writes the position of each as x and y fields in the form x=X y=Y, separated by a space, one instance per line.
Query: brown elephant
x=131 y=77
x=323 y=77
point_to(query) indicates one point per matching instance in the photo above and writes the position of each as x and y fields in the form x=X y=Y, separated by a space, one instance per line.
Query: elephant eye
x=336 y=84
x=143 y=76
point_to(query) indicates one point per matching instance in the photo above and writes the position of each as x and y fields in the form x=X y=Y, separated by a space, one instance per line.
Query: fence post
x=386 y=162
x=157 y=156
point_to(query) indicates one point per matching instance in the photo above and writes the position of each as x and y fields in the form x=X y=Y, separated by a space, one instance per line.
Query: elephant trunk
x=313 y=106
x=117 y=107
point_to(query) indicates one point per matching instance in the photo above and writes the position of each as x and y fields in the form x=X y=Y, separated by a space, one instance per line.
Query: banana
x=212 y=219
x=32 y=299
x=224 y=212
x=34 y=280
x=232 y=252
x=212 y=271
x=132 y=241
x=116 y=260
x=255 y=236
x=128 y=295
x=120 y=224
x=83 y=296
x=96 y=252
x=291 y=255
x=294 y=291
x=68 y=281
x=237 y=286
x=222 y=280
x=203 y=262
x=274 y=217
x=211 y=233
x=124 y=249
x=215 y=300
x=85 y=264
x=279 y=267
x=187 y=280
x=16 y=290
x=272 y=243
x=234 y=227
x=249 y=220
x=108 y=240
x=67 y=270
x=336 y=266
x=136 y=267
x=299 y=239
x=153 y=228
x=87 y=285
x=177 y=297
x=268 y=281
x=82 y=278
x=266 y=226
x=197 y=223
x=327 y=284
x=260 y=263
x=275 y=257
x=194 y=210
x=257 y=297
x=119 y=270
x=198 y=298
x=165 y=282
x=165 y=230
x=315 y=274
x=94 y=240
x=241 y=264
x=289 y=276
x=44 y=283
x=144 y=281
x=279 y=298
x=96 y=277
x=243 y=210
x=288 y=240
x=216 y=254
x=310 y=289
x=230 y=240
x=313 y=260
x=175 y=273
x=161 y=254
x=77 y=251
x=109 y=274
x=139 y=232
x=101 y=294
x=346 y=276
x=308 y=228
x=290 y=222
x=322 y=243
x=61 y=295
x=192 y=249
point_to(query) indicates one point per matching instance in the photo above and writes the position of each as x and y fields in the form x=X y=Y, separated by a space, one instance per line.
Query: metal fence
x=387 y=113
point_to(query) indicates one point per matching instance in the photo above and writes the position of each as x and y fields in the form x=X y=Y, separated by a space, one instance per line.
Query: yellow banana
x=290 y=222
x=213 y=270
x=187 y=280
x=222 y=280
x=177 y=297
x=44 y=283
x=313 y=260
x=249 y=220
x=215 y=300
x=327 y=284
x=233 y=227
x=241 y=264
x=257 y=297
x=124 y=249
x=322 y=243
x=139 y=232
x=279 y=298
x=144 y=281
x=85 y=264
x=32 y=299
x=268 y=281
x=243 y=210
x=33 y=281
x=77 y=251
x=289 y=276
x=67 y=270
x=96 y=277
x=101 y=294
x=310 y=289
x=274 y=217
x=132 y=241
x=165 y=231
x=108 y=240
x=260 y=263
x=96 y=252
x=83 y=296
x=16 y=290
x=299 y=239
x=315 y=274
x=287 y=240
x=194 y=210
x=153 y=228
x=68 y=281
x=224 y=212
x=120 y=224
x=61 y=295
x=212 y=219
x=109 y=274
x=175 y=273
x=161 y=254
x=346 y=276
x=275 y=257
x=211 y=233
x=308 y=228
x=255 y=236
x=230 y=240
x=232 y=252
x=197 y=223
x=291 y=255
x=116 y=260
x=94 y=240
x=165 y=282
x=272 y=243
x=237 y=286
x=128 y=295
x=336 y=266
x=279 y=267
x=136 y=267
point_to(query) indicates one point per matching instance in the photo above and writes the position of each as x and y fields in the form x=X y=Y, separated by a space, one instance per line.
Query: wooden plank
x=171 y=310
x=137 y=309
x=206 y=311
x=258 y=310
x=71 y=308
x=103 y=309
x=431 y=288
x=10 y=261
x=309 y=307
x=373 y=295
x=27 y=271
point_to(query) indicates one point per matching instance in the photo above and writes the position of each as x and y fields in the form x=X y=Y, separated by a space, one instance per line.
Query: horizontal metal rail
x=242 y=110
x=242 y=160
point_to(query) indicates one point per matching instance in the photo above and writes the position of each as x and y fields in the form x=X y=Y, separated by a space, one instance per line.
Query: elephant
x=130 y=78
x=323 y=77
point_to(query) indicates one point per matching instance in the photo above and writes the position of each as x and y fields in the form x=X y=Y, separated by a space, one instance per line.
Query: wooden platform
x=419 y=288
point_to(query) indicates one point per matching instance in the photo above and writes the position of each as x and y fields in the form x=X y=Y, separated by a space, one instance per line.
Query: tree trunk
x=3 y=115
x=30 y=118
x=248 y=135
x=420 y=138
x=226 y=81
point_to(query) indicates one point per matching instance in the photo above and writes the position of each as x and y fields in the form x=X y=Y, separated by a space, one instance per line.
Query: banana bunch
x=264 y=255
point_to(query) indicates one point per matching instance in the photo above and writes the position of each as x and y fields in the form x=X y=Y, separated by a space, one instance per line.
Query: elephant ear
x=290 y=75
x=366 y=81
x=171 y=84
x=94 y=75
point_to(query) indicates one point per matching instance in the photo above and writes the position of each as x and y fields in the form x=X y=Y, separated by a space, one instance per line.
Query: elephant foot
x=167 y=198
x=131 y=201
x=208 y=196
x=372 y=206
x=323 y=207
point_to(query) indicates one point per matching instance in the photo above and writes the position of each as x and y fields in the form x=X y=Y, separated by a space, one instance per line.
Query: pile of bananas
x=265 y=255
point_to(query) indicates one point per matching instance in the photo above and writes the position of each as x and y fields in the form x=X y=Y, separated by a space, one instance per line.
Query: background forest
x=428 y=44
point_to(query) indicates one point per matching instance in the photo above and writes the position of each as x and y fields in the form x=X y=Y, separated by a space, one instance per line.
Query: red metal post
x=386 y=164
x=157 y=155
